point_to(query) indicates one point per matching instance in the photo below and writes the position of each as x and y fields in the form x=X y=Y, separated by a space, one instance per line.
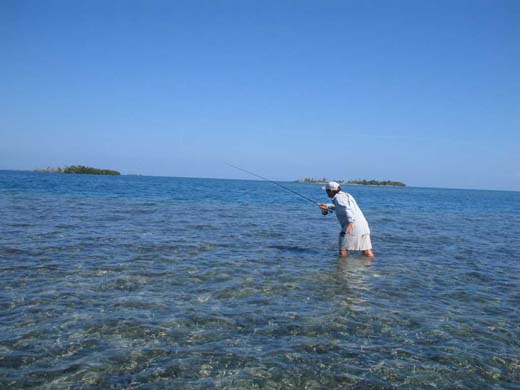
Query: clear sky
x=425 y=92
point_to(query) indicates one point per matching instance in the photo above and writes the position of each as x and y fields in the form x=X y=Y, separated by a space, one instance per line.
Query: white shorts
x=355 y=243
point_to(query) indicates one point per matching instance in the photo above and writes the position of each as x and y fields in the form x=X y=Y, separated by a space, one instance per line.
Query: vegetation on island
x=80 y=169
x=48 y=170
x=354 y=182
x=89 y=170
x=316 y=181
x=377 y=183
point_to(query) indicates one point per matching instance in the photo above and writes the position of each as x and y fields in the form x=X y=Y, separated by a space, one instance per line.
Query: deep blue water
x=152 y=282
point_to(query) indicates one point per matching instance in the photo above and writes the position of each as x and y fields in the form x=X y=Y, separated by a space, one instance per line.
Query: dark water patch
x=7 y=251
x=295 y=249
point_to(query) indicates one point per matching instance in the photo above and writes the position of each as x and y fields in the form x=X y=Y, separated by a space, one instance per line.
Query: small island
x=79 y=169
x=316 y=181
x=387 y=183
x=377 y=183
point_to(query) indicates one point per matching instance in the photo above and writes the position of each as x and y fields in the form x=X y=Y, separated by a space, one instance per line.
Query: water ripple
x=110 y=283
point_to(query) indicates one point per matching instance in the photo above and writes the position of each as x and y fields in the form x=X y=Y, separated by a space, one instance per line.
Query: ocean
x=135 y=282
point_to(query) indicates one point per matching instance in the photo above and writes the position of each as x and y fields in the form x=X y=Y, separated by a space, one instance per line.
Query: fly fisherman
x=355 y=233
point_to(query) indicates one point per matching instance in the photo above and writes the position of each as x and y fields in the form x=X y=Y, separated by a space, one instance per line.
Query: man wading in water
x=355 y=233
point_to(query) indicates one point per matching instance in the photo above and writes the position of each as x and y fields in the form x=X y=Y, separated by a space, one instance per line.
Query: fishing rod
x=275 y=183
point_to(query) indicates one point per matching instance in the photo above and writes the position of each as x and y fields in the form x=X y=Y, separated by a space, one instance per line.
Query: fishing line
x=275 y=183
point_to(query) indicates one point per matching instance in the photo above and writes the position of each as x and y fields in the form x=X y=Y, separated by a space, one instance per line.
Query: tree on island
x=48 y=170
x=317 y=181
x=364 y=182
x=312 y=180
x=78 y=169
x=377 y=183
x=89 y=170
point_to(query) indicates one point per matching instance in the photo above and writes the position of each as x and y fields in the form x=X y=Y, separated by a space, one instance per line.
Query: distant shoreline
x=426 y=187
x=374 y=185
x=384 y=183
x=79 y=169
x=364 y=182
x=377 y=185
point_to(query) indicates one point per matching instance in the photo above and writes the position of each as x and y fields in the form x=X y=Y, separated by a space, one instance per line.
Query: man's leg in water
x=368 y=253
x=343 y=253
x=343 y=245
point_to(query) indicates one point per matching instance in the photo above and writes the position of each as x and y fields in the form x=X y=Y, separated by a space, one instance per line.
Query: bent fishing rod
x=275 y=183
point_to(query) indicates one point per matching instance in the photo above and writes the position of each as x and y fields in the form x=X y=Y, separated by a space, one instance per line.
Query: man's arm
x=326 y=207
x=350 y=215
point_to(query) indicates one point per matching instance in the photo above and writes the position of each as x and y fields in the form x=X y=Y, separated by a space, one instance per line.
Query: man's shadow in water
x=353 y=270
x=353 y=263
x=352 y=286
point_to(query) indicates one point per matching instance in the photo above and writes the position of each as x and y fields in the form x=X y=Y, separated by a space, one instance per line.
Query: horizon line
x=281 y=181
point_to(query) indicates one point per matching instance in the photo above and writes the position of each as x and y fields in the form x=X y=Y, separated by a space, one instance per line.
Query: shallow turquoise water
x=149 y=282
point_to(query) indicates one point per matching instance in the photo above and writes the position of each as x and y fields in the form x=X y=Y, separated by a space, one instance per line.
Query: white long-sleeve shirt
x=347 y=210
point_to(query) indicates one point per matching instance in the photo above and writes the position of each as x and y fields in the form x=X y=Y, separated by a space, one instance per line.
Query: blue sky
x=426 y=92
